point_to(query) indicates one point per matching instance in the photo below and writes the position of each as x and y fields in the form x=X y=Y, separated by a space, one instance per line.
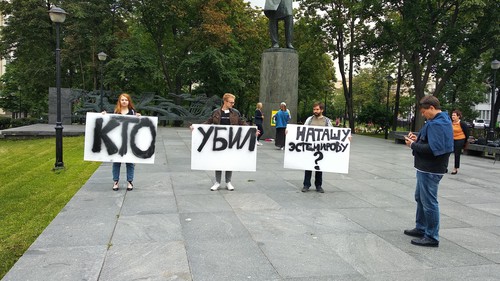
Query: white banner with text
x=120 y=138
x=317 y=148
x=223 y=148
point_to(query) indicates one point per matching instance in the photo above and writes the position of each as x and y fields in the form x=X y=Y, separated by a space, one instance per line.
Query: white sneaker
x=259 y=143
x=215 y=186
x=230 y=187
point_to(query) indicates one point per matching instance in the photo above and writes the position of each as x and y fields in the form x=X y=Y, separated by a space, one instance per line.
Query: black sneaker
x=320 y=189
x=425 y=242
x=414 y=232
x=305 y=189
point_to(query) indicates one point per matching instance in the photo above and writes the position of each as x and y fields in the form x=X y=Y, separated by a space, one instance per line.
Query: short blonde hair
x=227 y=96
x=259 y=105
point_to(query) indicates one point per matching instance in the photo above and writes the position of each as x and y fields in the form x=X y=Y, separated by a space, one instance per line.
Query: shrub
x=23 y=122
x=4 y=123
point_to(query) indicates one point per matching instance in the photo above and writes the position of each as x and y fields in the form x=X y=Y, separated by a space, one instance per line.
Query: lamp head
x=495 y=64
x=57 y=14
x=389 y=79
x=102 y=56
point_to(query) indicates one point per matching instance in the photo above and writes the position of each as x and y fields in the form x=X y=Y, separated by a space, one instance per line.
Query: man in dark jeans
x=317 y=119
x=431 y=151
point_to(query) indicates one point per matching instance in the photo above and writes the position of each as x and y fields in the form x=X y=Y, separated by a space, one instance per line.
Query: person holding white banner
x=317 y=119
x=226 y=115
x=124 y=106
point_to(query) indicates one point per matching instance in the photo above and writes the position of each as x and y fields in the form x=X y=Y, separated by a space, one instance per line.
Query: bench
x=483 y=150
x=399 y=137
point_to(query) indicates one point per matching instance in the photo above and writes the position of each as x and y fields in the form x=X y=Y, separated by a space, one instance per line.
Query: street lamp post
x=493 y=117
x=389 y=80
x=102 y=58
x=57 y=16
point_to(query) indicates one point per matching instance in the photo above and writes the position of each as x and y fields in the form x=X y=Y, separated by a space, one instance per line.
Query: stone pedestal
x=65 y=106
x=279 y=82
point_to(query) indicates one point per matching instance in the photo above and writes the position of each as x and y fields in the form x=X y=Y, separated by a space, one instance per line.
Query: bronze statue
x=277 y=10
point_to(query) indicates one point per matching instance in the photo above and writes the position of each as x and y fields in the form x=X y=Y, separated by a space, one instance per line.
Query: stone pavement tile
x=315 y=200
x=212 y=226
x=492 y=208
x=381 y=198
x=146 y=261
x=449 y=254
x=192 y=182
x=303 y=256
x=250 y=201
x=471 y=216
x=476 y=240
x=285 y=223
x=345 y=277
x=408 y=214
x=376 y=219
x=75 y=233
x=351 y=185
x=74 y=263
x=152 y=181
x=138 y=202
x=229 y=260
x=468 y=273
x=471 y=196
x=147 y=229
x=368 y=253
x=203 y=202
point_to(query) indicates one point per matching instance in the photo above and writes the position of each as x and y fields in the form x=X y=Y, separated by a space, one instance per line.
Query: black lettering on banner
x=206 y=136
x=144 y=154
x=223 y=142
x=101 y=134
x=125 y=122
x=234 y=139
x=306 y=146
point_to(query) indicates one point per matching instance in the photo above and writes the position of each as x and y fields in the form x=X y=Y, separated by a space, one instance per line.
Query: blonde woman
x=259 y=120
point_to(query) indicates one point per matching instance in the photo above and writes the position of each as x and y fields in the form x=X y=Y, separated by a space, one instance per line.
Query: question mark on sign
x=320 y=156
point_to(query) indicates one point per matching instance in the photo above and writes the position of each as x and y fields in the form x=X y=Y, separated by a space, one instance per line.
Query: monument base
x=279 y=82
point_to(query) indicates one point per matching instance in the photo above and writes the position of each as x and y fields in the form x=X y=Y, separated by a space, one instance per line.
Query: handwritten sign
x=120 y=138
x=317 y=148
x=224 y=148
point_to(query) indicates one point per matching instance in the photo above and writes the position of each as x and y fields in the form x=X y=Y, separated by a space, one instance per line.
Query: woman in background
x=460 y=137
x=259 y=120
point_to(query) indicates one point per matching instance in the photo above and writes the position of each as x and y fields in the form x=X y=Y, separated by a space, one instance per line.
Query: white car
x=480 y=123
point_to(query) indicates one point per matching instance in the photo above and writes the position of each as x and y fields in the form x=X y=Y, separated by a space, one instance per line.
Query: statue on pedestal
x=277 y=10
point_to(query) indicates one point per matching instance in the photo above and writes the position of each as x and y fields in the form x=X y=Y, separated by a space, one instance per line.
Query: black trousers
x=318 y=179
x=458 y=144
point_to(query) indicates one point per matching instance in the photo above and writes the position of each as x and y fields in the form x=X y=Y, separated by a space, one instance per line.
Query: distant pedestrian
x=124 y=106
x=317 y=119
x=281 y=119
x=259 y=121
x=460 y=137
x=431 y=151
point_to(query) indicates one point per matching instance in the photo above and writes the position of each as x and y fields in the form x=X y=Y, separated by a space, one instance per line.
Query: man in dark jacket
x=431 y=151
x=277 y=10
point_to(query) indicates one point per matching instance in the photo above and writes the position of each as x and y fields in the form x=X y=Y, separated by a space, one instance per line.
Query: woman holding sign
x=124 y=106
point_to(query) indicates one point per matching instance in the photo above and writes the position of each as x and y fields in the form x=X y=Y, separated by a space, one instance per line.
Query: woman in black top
x=259 y=120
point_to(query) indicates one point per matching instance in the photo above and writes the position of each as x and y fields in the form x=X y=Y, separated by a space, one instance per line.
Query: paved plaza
x=172 y=227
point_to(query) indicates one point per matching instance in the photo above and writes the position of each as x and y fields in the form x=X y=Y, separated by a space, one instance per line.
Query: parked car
x=480 y=124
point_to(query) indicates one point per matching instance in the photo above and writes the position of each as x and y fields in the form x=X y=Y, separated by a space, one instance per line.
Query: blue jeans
x=130 y=171
x=427 y=218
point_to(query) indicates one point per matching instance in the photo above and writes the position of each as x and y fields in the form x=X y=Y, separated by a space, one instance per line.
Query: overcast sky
x=258 y=3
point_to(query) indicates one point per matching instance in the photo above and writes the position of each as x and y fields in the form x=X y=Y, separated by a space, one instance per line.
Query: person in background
x=124 y=106
x=431 y=151
x=259 y=120
x=460 y=137
x=281 y=119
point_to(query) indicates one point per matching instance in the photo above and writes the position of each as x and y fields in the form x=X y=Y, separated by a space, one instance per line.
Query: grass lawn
x=31 y=193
